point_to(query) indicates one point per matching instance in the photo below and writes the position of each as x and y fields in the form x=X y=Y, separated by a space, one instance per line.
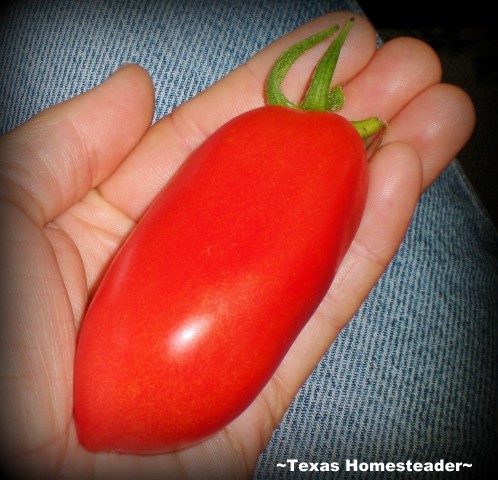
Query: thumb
x=53 y=159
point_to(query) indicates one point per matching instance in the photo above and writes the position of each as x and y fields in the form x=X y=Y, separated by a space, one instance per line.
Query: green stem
x=319 y=95
x=274 y=95
x=368 y=127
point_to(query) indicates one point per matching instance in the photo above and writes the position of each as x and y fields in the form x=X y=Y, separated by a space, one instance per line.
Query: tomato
x=206 y=296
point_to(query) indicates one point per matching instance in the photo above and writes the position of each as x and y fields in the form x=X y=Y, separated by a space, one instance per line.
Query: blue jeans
x=414 y=375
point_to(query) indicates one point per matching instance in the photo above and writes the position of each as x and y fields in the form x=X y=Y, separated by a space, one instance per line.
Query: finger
x=400 y=70
x=56 y=157
x=437 y=124
x=173 y=138
x=394 y=188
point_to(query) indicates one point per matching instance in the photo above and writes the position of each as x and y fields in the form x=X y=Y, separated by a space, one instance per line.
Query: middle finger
x=400 y=70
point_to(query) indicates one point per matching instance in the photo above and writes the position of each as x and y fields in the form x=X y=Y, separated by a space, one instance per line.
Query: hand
x=77 y=177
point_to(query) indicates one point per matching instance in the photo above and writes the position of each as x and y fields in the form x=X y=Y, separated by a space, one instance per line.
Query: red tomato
x=210 y=290
x=217 y=280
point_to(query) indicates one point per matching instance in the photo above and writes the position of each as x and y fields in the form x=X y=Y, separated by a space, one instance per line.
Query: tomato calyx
x=319 y=96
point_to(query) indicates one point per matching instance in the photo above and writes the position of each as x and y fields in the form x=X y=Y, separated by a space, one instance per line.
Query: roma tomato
x=212 y=287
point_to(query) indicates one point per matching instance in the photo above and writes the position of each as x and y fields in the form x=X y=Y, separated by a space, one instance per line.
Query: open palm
x=77 y=177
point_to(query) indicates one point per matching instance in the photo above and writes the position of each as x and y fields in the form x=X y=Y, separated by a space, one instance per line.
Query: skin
x=67 y=177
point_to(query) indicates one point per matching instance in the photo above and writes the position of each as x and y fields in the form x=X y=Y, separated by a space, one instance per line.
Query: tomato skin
x=220 y=275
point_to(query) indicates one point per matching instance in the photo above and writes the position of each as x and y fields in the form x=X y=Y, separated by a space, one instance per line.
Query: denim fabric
x=413 y=376
x=53 y=50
